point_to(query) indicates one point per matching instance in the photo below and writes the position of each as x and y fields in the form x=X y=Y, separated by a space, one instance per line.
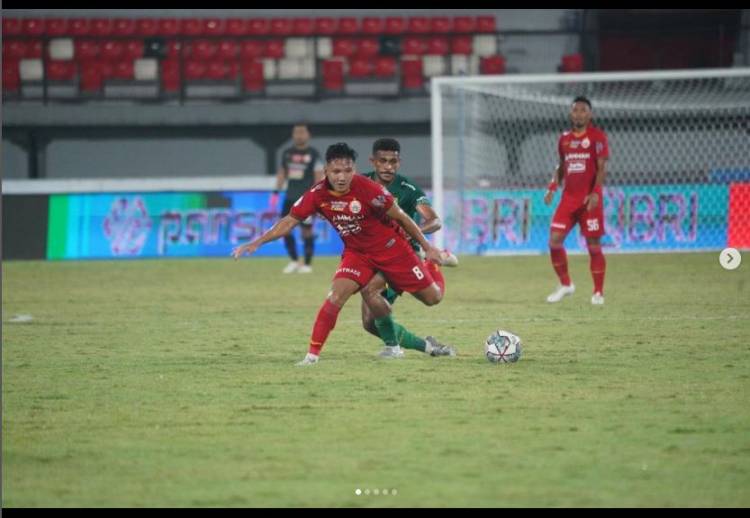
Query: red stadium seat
x=492 y=65
x=191 y=27
x=252 y=76
x=11 y=27
x=201 y=49
x=325 y=26
x=462 y=45
x=56 y=27
x=213 y=27
x=91 y=77
x=413 y=45
x=170 y=76
x=123 y=27
x=372 y=26
x=146 y=27
x=368 y=47
x=441 y=25
x=413 y=82
x=79 y=26
x=195 y=69
x=259 y=27
x=236 y=27
x=86 y=49
x=11 y=76
x=463 y=24
x=219 y=70
x=227 y=49
x=347 y=26
x=395 y=25
x=333 y=68
x=572 y=63
x=344 y=47
x=169 y=27
x=437 y=45
x=281 y=26
x=174 y=49
x=33 y=27
x=101 y=27
x=252 y=49
x=411 y=67
x=14 y=49
x=303 y=27
x=385 y=67
x=112 y=49
x=274 y=49
x=485 y=24
x=359 y=68
x=133 y=49
x=418 y=25
x=123 y=70
x=61 y=70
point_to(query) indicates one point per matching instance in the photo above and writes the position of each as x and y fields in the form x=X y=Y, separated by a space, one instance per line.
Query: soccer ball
x=502 y=347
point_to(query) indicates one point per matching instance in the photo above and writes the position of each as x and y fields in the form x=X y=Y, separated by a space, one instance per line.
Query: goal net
x=678 y=175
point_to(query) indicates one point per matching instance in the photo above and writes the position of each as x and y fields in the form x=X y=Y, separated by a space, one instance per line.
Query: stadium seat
x=418 y=25
x=169 y=27
x=78 y=26
x=123 y=27
x=281 y=26
x=252 y=49
x=385 y=67
x=492 y=65
x=55 y=27
x=303 y=27
x=463 y=64
x=411 y=67
x=100 y=27
x=146 y=27
x=220 y=70
x=413 y=83
x=344 y=47
x=274 y=49
x=123 y=69
x=394 y=25
x=298 y=47
x=61 y=49
x=325 y=48
x=433 y=66
x=227 y=49
x=325 y=26
x=437 y=45
x=112 y=49
x=359 y=68
x=61 y=70
x=174 y=49
x=195 y=69
x=146 y=69
x=413 y=45
x=11 y=27
x=91 y=79
x=368 y=47
x=86 y=49
x=347 y=26
x=191 y=27
x=213 y=27
x=485 y=24
x=32 y=27
x=201 y=49
x=236 y=27
x=333 y=75
x=440 y=25
x=15 y=49
x=372 y=26
x=31 y=70
x=11 y=76
x=133 y=49
x=572 y=63
x=462 y=45
x=252 y=76
x=258 y=27
x=463 y=24
x=269 y=69
x=170 y=76
x=485 y=45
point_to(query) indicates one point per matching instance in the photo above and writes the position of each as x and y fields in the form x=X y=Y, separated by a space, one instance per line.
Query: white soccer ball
x=502 y=347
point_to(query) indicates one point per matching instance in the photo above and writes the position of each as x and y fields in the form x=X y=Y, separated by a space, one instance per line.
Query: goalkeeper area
x=173 y=383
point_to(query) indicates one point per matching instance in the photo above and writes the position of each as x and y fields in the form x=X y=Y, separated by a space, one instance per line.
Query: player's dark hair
x=582 y=99
x=340 y=150
x=386 y=144
x=301 y=123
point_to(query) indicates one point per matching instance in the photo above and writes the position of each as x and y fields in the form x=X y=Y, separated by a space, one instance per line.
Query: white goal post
x=678 y=176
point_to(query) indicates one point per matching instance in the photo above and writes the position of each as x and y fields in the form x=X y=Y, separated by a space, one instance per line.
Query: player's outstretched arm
x=430 y=220
x=411 y=228
x=279 y=229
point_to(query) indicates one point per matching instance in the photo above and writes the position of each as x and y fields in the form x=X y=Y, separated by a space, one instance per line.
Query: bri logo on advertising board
x=127 y=226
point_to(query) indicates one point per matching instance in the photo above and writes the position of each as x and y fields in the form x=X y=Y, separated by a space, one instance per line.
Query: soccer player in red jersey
x=583 y=155
x=363 y=213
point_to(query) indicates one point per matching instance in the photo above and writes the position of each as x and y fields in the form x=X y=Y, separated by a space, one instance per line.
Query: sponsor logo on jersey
x=378 y=202
x=355 y=206
x=585 y=143
x=574 y=144
x=577 y=156
x=339 y=205
x=576 y=167
x=352 y=271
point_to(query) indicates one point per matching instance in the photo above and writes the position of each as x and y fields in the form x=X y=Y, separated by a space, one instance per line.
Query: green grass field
x=173 y=383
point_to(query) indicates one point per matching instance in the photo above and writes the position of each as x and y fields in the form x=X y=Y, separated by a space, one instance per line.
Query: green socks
x=395 y=334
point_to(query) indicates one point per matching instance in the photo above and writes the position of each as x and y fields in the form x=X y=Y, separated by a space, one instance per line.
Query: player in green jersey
x=386 y=160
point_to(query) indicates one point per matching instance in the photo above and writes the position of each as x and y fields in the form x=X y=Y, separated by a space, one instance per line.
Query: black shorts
x=287 y=207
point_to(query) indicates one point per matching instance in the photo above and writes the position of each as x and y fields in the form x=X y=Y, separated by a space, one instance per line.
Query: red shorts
x=399 y=264
x=572 y=211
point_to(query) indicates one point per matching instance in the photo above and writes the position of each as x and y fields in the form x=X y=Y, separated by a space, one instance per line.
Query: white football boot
x=305 y=268
x=560 y=292
x=448 y=259
x=292 y=267
x=309 y=359
x=390 y=352
x=597 y=299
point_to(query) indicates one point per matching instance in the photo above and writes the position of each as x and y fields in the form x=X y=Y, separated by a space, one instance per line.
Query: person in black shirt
x=301 y=168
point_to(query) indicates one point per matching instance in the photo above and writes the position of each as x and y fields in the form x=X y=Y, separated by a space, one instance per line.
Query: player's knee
x=433 y=296
x=368 y=324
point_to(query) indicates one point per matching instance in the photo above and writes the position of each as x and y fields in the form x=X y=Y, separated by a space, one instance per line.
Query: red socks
x=560 y=264
x=324 y=323
x=598 y=266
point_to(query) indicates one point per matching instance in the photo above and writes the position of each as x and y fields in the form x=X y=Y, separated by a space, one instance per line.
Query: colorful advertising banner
x=638 y=218
x=136 y=225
